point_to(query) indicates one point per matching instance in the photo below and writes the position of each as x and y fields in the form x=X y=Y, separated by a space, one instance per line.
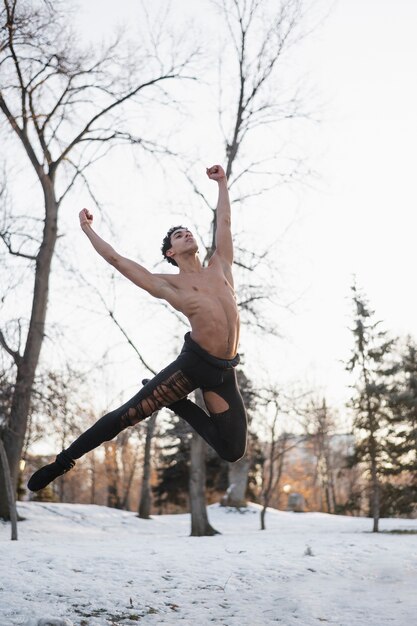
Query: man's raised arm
x=224 y=242
x=139 y=275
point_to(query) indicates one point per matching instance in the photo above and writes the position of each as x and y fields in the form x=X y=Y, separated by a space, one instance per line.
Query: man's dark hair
x=166 y=244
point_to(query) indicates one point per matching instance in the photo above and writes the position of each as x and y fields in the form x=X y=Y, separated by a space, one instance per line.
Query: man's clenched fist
x=215 y=172
x=86 y=218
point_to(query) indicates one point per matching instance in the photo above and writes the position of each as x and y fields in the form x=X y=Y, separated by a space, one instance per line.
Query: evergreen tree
x=173 y=466
x=401 y=461
x=371 y=361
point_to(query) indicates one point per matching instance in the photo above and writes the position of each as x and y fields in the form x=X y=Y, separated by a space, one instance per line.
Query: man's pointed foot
x=41 y=478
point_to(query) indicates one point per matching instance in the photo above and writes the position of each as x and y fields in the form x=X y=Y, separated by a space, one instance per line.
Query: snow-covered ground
x=95 y=566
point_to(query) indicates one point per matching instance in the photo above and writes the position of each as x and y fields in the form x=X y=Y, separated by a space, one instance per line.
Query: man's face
x=182 y=240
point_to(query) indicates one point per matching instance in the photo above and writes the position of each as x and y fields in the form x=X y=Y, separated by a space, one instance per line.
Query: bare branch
x=39 y=132
x=244 y=303
x=22 y=136
x=110 y=107
x=5 y=237
x=79 y=172
x=119 y=326
x=13 y=353
x=197 y=191
x=10 y=12
x=130 y=342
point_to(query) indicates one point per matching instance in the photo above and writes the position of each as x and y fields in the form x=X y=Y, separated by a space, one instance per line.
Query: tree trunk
x=128 y=469
x=93 y=478
x=113 y=498
x=375 y=504
x=14 y=436
x=238 y=482
x=61 y=488
x=200 y=526
x=9 y=490
x=263 y=512
x=144 y=510
x=267 y=485
x=266 y=497
x=330 y=480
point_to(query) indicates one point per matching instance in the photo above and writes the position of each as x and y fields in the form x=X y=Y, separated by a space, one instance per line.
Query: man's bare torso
x=208 y=300
x=204 y=295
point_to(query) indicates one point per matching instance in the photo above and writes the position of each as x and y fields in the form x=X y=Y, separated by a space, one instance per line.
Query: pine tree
x=173 y=466
x=371 y=361
x=401 y=461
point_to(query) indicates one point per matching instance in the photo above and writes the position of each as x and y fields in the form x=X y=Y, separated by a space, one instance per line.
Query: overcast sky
x=357 y=217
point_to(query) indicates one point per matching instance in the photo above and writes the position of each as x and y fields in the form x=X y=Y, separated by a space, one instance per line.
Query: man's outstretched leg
x=168 y=386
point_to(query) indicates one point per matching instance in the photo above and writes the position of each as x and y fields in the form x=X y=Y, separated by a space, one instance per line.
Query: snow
x=86 y=565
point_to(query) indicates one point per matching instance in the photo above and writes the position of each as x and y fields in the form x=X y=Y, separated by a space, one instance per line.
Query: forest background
x=333 y=200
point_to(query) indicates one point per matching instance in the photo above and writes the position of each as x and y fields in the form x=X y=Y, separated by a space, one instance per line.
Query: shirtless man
x=208 y=358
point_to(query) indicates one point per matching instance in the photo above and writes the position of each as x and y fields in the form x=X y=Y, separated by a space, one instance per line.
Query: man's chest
x=208 y=282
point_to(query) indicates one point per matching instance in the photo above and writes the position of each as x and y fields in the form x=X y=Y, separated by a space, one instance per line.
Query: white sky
x=364 y=222
x=358 y=217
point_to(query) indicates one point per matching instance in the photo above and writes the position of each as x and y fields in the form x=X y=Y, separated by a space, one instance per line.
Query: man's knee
x=233 y=451
x=232 y=456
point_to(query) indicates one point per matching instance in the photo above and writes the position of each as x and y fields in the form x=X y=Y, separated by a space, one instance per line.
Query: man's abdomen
x=215 y=328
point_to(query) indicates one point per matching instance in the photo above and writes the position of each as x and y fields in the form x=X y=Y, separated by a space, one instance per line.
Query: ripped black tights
x=194 y=368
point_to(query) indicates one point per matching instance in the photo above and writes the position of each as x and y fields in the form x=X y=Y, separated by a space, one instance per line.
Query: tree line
x=65 y=107
x=370 y=470
x=384 y=407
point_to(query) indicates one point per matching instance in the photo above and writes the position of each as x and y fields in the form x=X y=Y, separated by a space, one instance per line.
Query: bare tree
x=145 y=500
x=66 y=108
x=121 y=462
x=144 y=509
x=11 y=501
x=320 y=427
x=93 y=477
x=260 y=39
x=250 y=100
x=280 y=443
x=55 y=395
x=112 y=473
x=277 y=447
x=200 y=525
x=268 y=480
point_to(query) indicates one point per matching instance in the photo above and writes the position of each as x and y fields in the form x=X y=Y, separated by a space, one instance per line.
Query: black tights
x=224 y=430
